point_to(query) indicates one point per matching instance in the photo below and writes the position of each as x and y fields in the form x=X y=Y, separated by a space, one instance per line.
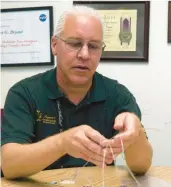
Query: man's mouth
x=81 y=68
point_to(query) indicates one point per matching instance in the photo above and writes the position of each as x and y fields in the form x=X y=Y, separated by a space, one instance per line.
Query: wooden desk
x=112 y=177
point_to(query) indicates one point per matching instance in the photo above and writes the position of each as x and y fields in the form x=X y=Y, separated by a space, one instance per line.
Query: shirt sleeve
x=18 y=119
x=126 y=102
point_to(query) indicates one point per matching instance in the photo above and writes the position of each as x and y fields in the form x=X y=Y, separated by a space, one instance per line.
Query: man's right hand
x=84 y=142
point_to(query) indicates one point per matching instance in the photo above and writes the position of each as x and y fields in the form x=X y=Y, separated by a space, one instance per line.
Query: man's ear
x=54 y=43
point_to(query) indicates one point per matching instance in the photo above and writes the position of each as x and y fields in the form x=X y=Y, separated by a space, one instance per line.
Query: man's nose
x=84 y=52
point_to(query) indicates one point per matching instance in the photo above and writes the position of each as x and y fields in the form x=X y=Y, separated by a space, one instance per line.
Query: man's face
x=77 y=66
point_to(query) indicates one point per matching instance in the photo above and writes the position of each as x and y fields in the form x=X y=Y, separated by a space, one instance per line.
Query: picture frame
x=169 y=21
x=26 y=36
x=126 y=29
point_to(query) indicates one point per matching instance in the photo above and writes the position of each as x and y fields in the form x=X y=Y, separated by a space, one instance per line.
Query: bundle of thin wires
x=135 y=182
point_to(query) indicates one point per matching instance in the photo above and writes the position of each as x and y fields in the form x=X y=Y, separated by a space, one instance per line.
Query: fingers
x=89 y=144
x=111 y=143
x=115 y=146
x=95 y=162
x=96 y=156
x=84 y=142
x=94 y=136
x=85 y=146
x=114 y=151
x=126 y=135
x=79 y=145
x=92 y=141
x=97 y=146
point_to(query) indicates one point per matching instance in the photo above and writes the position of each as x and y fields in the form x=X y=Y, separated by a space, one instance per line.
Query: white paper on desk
x=146 y=181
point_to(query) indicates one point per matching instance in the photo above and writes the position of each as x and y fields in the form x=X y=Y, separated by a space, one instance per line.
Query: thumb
x=119 y=123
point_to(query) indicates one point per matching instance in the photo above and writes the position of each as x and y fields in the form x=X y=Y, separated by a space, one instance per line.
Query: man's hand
x=129 y=127
x=134 y=141
x=84 y=142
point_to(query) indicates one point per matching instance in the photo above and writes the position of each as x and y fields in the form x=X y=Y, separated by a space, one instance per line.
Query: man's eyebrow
x=73 y=37
x=78 y=38
x=97 y=41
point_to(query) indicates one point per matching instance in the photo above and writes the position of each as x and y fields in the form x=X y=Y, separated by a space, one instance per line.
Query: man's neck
x=73 y=92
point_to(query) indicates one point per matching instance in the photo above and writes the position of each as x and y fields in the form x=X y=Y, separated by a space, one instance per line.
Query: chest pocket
x=99 y=120
x=46 y=126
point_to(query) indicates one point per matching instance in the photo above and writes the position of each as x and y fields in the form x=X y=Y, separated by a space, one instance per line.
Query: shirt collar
x=51 y=85
x=98 y=91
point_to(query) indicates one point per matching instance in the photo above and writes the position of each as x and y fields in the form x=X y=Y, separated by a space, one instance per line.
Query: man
x=68 y=115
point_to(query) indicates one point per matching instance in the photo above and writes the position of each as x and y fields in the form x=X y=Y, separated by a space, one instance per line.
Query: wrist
x=59 y=143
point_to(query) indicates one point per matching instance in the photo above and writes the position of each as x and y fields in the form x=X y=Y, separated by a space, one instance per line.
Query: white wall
x=149 y=82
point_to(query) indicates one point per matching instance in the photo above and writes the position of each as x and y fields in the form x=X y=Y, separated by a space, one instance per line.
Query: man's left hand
x=128 y=125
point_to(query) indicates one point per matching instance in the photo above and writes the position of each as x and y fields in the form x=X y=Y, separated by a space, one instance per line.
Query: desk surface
x=112 y=177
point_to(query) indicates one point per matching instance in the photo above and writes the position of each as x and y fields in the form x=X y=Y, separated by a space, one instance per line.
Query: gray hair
x=76 y=10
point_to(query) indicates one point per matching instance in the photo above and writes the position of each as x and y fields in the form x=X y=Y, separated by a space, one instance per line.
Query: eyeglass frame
x=65 y=41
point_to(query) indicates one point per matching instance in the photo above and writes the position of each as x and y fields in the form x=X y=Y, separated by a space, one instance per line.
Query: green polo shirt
x=35 y=107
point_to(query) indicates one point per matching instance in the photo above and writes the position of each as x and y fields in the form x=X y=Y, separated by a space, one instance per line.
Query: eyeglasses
x=76 y=44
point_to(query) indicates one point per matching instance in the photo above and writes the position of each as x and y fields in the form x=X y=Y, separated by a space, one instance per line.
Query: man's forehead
x=83 y=25
x=82 y=18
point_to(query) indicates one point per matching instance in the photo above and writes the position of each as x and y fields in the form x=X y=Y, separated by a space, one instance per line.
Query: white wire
x=129 y=170
x=104 y=156
x=113 y=155
x=72 y=181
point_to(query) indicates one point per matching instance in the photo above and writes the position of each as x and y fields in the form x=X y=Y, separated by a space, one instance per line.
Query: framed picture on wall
x=169 y=21
x=126 y=29
x=26 y=36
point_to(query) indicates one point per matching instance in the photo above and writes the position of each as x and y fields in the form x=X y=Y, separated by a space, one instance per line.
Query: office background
x=149 y=82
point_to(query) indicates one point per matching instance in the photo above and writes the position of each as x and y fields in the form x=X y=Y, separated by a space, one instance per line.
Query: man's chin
x=80 y=81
